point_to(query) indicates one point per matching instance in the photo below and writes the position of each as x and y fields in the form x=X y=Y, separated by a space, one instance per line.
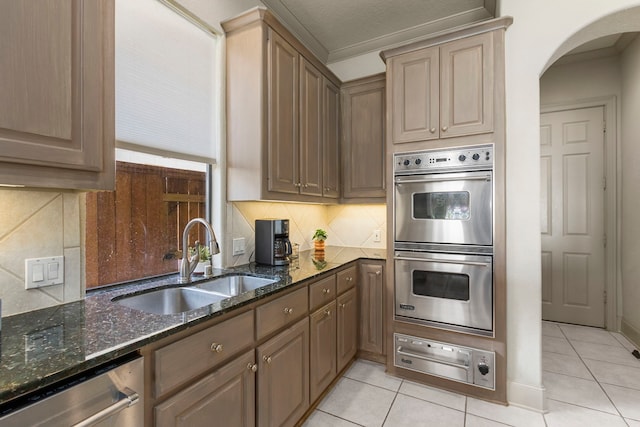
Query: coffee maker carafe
x=272 y=241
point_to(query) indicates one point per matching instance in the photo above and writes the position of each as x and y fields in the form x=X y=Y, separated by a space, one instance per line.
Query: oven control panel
x=466 y=158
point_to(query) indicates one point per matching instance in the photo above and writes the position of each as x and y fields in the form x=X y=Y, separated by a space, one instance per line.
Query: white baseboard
x=630 y=332
x=527 y=396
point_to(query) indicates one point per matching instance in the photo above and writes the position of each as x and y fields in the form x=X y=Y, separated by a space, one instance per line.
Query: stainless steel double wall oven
x=443 y=225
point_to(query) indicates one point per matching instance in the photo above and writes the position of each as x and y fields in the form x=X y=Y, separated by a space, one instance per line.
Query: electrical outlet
x=238 y=246
x=40 y=272
x=376 y=235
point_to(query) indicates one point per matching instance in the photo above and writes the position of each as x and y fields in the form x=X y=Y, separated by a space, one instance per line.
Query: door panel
x=572 y=216
x=283 y=115
x=311 y=146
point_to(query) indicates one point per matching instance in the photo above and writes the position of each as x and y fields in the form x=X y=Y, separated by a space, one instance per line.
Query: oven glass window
x=441 y=285
x=443 y=205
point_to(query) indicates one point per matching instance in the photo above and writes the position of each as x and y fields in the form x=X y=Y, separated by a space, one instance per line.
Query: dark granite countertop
x=41 y=347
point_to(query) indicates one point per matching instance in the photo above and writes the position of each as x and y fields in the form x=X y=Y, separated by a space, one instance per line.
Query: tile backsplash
x=36 y=224
x=346 y=225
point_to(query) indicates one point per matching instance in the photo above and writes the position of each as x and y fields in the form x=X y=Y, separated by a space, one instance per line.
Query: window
x=167 y=130
x=136 y=230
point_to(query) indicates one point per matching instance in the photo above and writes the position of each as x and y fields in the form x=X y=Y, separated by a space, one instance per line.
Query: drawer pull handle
x=266 y=359
x=288 y=310
x=216 y=348
x=326 y=291
x=252 y=367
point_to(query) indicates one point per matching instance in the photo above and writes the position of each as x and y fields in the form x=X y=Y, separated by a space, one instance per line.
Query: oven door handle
x=445 y=261
x=409 y=180
x=431 y=359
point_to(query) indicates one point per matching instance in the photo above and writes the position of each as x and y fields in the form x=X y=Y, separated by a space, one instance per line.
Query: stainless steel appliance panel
x=451 y=208
x=452 y=291
x=112 y=398
x=457 y=363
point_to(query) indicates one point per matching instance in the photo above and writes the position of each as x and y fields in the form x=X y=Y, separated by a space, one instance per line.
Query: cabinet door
x=347 y=328
x=371 y=288
x=283 y=377
x=415 y=96
x=311 y=144
x=364 y=150
x=283 y=156
x=322 y=348
x=331 y=155
x=227 y=396
x=57 y=93
x=466 y=84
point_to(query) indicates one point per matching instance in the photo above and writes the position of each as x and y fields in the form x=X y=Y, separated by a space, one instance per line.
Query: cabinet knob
x=349 y=279
x=266 y=359
x=288 y=310
x=298 y=185
x=378 y=273
x=326 y=291
x=252 y=367
x=306 y=185
x=343 y=305
x=444 y=128
x=327 y=313
x=216 y=348
x=327 y=188
x=432 y=130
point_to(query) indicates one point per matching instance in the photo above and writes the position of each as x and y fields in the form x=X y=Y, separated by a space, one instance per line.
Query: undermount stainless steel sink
x=171 y=300
x=233 y=285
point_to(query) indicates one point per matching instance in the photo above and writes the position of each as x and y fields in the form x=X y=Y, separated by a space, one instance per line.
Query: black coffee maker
x=272 y=241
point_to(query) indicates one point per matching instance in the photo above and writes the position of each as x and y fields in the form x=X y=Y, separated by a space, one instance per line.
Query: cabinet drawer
x=191 y=356
x=347 y=279
x=322 y=292
x=281 y=312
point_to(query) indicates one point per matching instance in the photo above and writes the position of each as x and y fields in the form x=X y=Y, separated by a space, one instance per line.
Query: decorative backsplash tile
x=346 y=225
x=36 y=224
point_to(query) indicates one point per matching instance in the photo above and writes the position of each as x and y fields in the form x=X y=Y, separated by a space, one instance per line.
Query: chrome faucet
x=189 y=264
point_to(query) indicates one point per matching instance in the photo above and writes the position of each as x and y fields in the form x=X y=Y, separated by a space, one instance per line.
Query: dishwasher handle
x=126 y=399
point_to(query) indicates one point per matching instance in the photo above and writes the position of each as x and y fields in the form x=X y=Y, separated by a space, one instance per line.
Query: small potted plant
x=205 y=258
x=318 y=239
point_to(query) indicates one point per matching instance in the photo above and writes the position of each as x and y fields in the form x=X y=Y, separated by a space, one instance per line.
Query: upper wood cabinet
x=282 y=115
x=57 y=120
x=363 y=148
x=331 y=137
x=442 y=91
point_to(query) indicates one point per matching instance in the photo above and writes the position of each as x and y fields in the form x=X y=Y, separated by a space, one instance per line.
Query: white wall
x=542 y=31
x=630 y=247
x=579 y=81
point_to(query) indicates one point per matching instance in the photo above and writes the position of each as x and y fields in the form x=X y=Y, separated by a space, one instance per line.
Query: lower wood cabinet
x=322 y=349
x=346 y=328
x=283 y=377
x=225 y=397
x=371 y=291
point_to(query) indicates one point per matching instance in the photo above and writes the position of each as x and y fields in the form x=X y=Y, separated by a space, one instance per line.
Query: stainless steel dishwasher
x=111 y=395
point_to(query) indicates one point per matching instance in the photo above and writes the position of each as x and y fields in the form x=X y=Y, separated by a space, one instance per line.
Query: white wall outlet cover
x=238 y=246
x=40 y=272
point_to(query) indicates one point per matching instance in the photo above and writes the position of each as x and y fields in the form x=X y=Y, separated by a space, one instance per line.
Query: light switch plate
x=238 y=246
x=40 y=272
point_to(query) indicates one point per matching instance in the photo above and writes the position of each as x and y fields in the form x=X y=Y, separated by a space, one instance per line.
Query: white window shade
x=165 y=81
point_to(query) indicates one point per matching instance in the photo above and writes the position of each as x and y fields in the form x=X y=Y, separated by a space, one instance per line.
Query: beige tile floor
x=590 y=376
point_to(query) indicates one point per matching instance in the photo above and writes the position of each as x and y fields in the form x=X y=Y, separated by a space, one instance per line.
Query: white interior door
x=572 y=210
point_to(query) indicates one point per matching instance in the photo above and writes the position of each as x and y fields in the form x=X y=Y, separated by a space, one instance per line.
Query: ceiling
x=339 y=29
